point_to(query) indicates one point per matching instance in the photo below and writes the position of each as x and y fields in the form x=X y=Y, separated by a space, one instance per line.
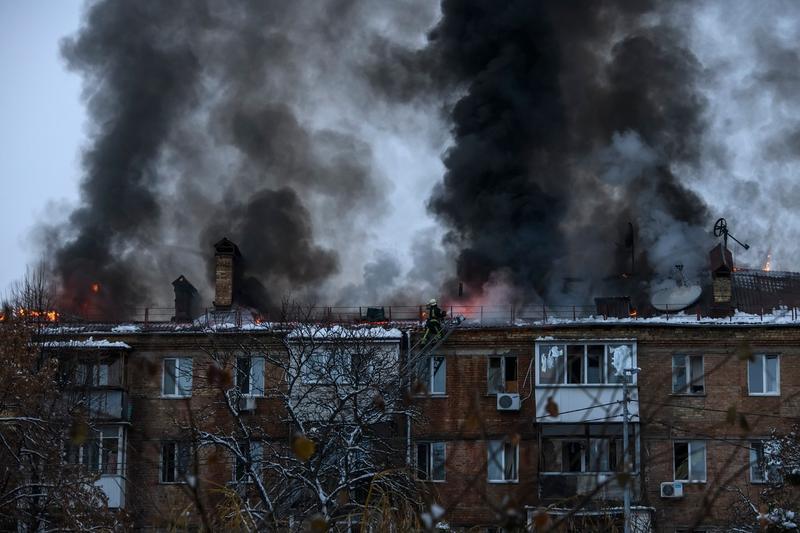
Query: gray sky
x=42 y=123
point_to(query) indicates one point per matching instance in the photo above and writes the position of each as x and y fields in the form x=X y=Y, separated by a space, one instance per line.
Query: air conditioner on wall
x=672 y=489
x=507 y=401
x=247 y=403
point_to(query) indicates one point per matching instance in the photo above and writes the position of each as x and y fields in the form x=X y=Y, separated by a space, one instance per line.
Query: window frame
x=503 y=364
x=429 y=467
x=691 y=380
x=502 y=463
x=247 y=478
x=179 y=448
x=766 y=479
x=430 y=376
x=564 y=345
x=82 y=455
x=690 y=444
x=251 y=375
x=179 y=371
x=764 y=392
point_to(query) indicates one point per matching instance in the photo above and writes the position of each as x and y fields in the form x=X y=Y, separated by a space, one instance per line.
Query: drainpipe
x=408 y=413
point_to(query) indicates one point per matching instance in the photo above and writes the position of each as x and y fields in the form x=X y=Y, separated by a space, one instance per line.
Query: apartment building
x=513 y=421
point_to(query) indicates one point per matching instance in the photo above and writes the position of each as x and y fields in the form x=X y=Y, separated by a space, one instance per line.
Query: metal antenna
x=721 y=230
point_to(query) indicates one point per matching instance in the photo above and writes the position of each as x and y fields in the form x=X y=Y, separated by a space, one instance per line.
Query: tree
x=775 y=508
x=38 y=490
x=315 y=431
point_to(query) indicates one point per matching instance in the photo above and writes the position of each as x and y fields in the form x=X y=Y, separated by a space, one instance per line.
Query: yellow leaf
x=303 y=447
x=551 y=407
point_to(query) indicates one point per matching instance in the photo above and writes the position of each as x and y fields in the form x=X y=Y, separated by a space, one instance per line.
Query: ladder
x=432 y=344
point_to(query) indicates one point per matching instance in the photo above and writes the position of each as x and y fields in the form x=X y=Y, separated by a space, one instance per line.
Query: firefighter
x=433 y=325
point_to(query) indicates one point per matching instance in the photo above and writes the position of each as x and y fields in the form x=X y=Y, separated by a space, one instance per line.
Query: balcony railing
x=600 y=485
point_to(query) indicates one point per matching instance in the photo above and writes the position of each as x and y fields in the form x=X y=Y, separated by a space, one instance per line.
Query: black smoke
x=572 y=118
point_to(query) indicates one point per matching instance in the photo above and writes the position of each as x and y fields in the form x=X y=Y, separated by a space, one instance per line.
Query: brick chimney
x=721 y=266
x=185 y=300
x=226 y=257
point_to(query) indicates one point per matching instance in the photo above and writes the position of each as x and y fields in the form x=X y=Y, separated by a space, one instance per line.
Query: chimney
x=185 y=300
x=721 y=266
x=226 y=256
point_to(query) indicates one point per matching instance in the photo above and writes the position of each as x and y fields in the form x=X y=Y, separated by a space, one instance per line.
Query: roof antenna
x=721 y=230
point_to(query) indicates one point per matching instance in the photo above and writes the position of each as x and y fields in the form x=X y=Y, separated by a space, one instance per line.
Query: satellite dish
x=676 y=298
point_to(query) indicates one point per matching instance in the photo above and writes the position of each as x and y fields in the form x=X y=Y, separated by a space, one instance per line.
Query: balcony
x=576 y=404
x=601 y=486
x=114 y=488
x=110 y=405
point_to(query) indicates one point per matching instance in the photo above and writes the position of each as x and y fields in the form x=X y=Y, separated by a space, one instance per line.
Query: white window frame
x=82 y=455
x=254 y=376
x=429 y=472
x=502 y=373
x=502 y=462
x=432 y=378
x=181 y=390
x=763 y=357
x=178 y=479
x=691 y=379
x=690 y=444
x=607 y=344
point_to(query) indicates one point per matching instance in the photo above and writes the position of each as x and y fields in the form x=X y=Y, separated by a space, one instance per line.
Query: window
x=430 y=461
x=175 y=461
x=433 y=373
x=177 y=377
x=763 y=375
x=687 y=374
x=689 y=461
x=250 y=375
x=252 y=452
x=760 y=469
x=502 y=460
x=584 y=364
x=99 y=453
x=502 y=375
x=107 y=372
x=568 y=448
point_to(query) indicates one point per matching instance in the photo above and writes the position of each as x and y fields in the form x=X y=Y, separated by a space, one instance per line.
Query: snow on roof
x=341 y=332
x=126 y=328
x=87 y=343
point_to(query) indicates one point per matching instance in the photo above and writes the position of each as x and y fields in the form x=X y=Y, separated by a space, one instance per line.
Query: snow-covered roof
x=342 y=332
x=89 y=343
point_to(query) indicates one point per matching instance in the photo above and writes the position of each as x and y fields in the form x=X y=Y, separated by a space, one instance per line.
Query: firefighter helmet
x=432 y=301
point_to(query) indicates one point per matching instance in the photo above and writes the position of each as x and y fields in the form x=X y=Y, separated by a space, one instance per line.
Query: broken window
x=583 y=364
x=177 y=377
x=689 y=461
x=503 y=457
x=687 y=374
x=430 y=461
x=175 y=461
x=250 y=375
x=502 y=376
x=763 y=375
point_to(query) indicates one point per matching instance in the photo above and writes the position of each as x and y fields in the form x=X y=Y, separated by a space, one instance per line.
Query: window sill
x=426 y=396
x=174 y=397
x=693 y=482
x=582 y=385
x=432 y=480
x=502 y=481
x=172 y=483
x=689 y=394
x=764 y=394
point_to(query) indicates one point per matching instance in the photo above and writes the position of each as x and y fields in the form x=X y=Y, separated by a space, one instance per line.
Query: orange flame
x=95 y=287
x=768 y=264
x=50 y=315
x=633 y=313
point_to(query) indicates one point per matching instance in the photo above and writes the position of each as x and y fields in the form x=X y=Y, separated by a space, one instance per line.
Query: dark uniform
x=433 y=325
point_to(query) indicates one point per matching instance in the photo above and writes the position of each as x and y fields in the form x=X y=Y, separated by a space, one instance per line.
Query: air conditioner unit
x=507 y=401
x=247 y=403
x=672 y=489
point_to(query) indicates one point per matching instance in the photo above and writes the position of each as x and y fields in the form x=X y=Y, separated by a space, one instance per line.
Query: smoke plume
x=538 y=151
